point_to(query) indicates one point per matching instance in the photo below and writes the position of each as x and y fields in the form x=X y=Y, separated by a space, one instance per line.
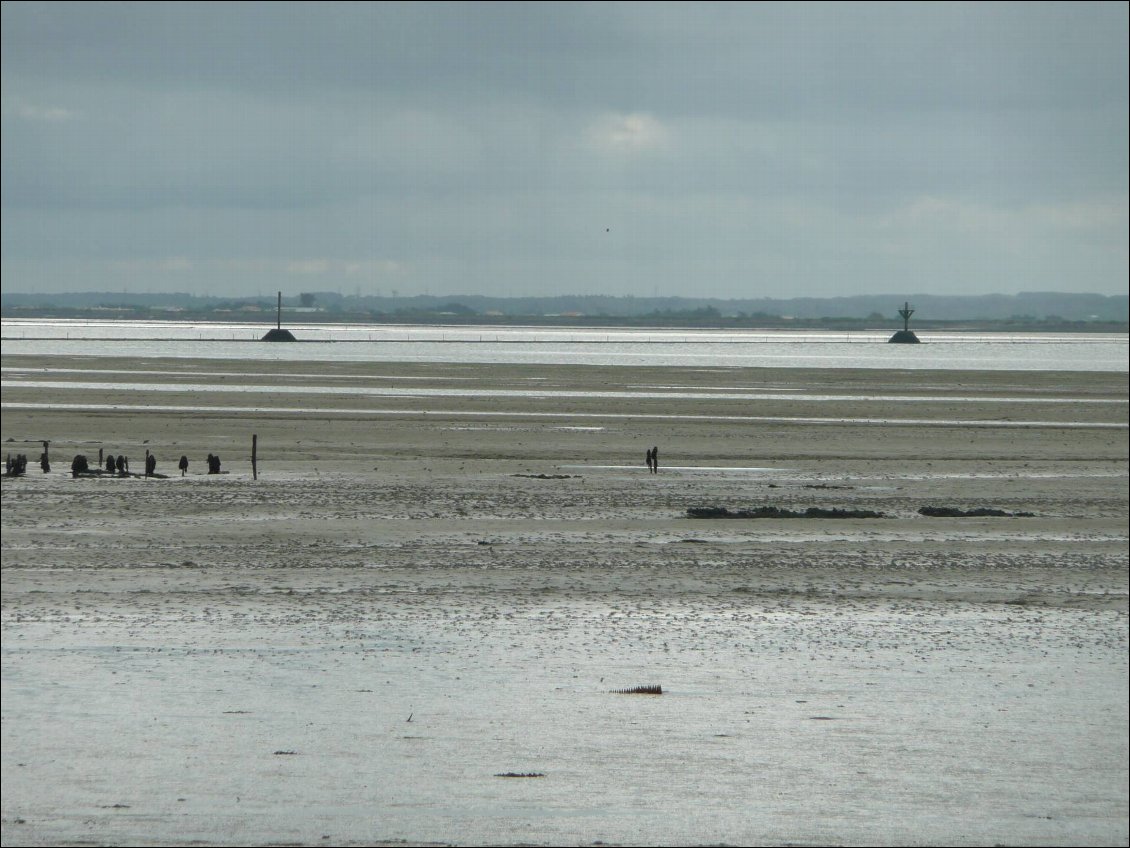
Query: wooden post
x=254 y=446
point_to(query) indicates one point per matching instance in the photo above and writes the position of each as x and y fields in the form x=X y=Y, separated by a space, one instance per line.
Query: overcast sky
x=731 y=150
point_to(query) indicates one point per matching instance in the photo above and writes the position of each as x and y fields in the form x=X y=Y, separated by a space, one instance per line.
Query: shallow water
x=15 y=378
x=721 y=348
x=324 y=410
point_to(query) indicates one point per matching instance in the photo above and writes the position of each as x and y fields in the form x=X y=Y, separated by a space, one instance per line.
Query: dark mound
x=279 y=335
x=776 y=512
x=904 y=337
x=980 y=512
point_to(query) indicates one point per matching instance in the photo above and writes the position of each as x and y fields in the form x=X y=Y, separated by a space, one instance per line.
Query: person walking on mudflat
x=650 y=460
x=655 y=460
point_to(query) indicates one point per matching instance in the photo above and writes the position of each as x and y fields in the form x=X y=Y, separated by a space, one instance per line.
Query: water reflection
x=14 y=379
x=555 y=346
x=463 y=413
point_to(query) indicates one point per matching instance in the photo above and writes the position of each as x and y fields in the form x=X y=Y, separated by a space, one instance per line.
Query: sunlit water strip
x=195 y=372
x=485 y=392
x=560 y=346
x=108 y=329
x=306 y=410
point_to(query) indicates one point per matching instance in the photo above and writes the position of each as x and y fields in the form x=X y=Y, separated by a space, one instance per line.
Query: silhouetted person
x=110 y=461
x=121 y=463
x=183 y=465
x=43 y=462
x=655 y=460
x=79 y=465
x=650 y=460
x=150 y=464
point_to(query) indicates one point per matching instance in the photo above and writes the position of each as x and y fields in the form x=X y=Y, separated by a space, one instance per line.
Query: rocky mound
x=980 y=512
x=776 y=512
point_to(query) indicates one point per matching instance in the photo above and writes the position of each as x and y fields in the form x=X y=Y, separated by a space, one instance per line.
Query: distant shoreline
x=1044 y=311
x=658 y=322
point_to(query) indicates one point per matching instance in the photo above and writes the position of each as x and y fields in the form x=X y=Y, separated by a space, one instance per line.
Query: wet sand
x=444 y=581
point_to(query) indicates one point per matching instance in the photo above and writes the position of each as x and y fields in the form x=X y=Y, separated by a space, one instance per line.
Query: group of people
x=653 y=460
x=15 y=466
x=120 y=464
x=114 y=464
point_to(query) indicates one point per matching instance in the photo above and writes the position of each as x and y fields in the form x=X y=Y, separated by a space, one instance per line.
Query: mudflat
x=411 y=622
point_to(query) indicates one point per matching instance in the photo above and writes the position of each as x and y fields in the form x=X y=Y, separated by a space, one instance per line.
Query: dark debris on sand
x=777 y=512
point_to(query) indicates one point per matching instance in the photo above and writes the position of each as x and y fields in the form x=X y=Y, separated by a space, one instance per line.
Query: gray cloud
x=822 y=148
